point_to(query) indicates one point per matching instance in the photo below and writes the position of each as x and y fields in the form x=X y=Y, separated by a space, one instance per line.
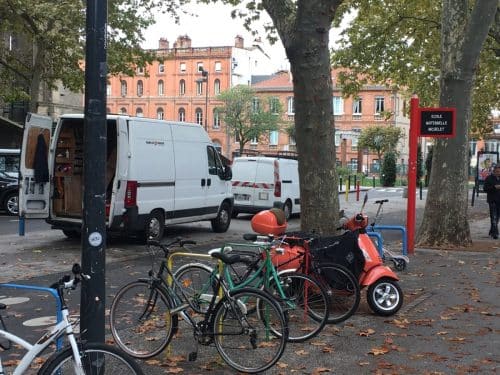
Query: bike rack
x=390 y=227
x=51 y=291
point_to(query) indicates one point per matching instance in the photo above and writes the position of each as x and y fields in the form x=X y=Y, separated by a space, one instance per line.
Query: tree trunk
x=305 y=36
x=445 y=217
x=36 y=80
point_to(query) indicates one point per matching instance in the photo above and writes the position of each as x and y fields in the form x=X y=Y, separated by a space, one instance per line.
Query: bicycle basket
x=343 y=250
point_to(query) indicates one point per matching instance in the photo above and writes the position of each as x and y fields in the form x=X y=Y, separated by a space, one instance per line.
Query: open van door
x=34 y=187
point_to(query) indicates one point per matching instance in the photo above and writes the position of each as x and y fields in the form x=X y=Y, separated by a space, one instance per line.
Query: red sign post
x=424 y=122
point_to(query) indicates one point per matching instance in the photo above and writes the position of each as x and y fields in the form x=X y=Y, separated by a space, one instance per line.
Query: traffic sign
x=437 y=122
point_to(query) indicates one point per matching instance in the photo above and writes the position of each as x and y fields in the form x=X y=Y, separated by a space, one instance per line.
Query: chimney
x=163 y=43
x=183 y=41
x=239 y=41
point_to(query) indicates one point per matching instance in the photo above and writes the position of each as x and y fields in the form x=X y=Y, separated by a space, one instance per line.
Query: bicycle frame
x=61 y=328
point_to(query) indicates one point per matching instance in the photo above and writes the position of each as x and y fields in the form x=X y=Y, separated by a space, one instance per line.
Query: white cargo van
x=157 y=173
x=264 y=182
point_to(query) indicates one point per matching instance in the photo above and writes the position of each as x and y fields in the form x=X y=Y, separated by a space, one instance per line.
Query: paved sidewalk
x=449 y=323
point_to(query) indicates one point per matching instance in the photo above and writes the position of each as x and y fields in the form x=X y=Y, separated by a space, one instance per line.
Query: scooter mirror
x=365 y=199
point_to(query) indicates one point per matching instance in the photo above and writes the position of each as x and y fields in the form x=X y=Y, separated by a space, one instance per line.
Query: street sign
x=437 y=122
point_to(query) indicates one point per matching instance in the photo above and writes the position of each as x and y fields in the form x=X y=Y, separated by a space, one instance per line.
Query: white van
x=264 y=182
x=157 y=173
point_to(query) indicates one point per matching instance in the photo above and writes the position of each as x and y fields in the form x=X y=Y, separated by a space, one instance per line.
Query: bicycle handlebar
x=166 y=247
x=382 y=201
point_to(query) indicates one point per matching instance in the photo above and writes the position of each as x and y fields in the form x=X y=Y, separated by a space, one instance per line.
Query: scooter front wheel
x=385 y=296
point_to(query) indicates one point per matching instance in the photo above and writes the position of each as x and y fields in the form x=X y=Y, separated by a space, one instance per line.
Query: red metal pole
x=357 y=191
x=412 y=172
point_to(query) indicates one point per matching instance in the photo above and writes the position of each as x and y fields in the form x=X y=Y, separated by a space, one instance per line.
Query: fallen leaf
x=366 y=332
x=379 y=351
x=319 y=370
x=282 y=365
x=363 y=363
x=173 y=370
x=302 y=352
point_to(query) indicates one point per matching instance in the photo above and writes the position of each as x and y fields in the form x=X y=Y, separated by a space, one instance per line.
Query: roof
x=276 y=82
x=6 y=121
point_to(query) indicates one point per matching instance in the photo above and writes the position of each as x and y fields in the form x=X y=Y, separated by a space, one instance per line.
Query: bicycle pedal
x=192 y=356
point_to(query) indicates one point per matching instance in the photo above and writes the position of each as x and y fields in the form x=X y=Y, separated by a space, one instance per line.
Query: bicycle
x=76 y=358
x=247 y=326
x=340 y=283
x=301 y=296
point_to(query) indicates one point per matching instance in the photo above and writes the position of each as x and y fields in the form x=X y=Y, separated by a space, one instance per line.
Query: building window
x=354 y=144
x=139 y=113
x=338 y=105
x=357 y=107
x=218 y=66
x=183 y=67
x=379 y=104
x=140 y=88
x=337 y=140
x=216 y=124
x=273 y=138
x=291 y=105
x=140 y=70
x=161 y=68
x=182 y=114
x=159 y=113
x=199 y=116
x=217 y=87
x=274 y=105
x=182 y=87
x=160 y=87
x=123 y=88
x=255 y=105
x=108 y=90
x=199 y=87
x=291 y=140
x=123 y=110
x=254 y=141
x=199 y=67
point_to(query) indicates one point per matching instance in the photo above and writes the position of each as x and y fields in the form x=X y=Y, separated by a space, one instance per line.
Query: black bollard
x=473 y=194
x=373 y=181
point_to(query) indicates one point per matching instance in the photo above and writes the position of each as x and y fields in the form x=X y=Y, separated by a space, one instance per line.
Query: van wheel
x=155 y=226
x=221 y=223
x=287 y=209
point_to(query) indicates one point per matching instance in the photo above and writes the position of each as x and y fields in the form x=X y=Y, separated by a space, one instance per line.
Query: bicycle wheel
x=342 y=288
x=96 y=358
x=140 y=319
x=197 y=284
x=245 y=339
x=306 y=302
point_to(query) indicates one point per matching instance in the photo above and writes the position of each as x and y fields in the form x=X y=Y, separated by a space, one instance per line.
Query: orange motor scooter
x=384 y=295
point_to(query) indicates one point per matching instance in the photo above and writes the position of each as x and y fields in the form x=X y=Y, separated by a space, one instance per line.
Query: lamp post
x=204 y=74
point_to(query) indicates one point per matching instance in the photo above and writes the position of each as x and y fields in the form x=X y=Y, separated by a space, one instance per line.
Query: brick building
x=184 y=86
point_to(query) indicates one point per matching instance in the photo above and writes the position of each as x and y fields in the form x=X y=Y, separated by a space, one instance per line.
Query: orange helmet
x=269 y=222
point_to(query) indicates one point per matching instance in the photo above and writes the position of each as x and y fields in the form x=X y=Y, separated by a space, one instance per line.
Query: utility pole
x=92 y=305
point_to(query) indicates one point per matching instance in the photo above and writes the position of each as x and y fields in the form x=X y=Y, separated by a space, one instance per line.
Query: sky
x=213 y=26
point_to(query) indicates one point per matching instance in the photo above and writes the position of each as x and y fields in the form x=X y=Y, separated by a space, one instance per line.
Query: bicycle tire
x=114 y=360
x=140 y=329
x=342 y=288
x=253 y=348
x=306 y=302
x=195 y=280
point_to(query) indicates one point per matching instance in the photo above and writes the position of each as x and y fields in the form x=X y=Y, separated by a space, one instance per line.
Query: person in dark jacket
x=492 y=188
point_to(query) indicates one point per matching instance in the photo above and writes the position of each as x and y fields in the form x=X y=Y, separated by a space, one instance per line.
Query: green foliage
x=397 y=43
x=428 y=166
x=388 y=170
x=50 y=42
x=420 y=161
x=379 y=139
x=247 y=120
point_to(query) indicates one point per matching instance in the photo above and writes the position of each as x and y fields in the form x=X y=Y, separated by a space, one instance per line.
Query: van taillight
x=131 y=194
x=277 y=189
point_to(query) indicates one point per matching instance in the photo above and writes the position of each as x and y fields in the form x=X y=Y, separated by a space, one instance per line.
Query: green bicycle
x=303 y=298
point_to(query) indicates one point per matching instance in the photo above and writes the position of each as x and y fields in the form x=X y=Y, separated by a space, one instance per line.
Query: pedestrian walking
x=492 y=188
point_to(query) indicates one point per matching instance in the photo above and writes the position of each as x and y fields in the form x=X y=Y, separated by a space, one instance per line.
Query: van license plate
x=264 y=196
x=241 y=197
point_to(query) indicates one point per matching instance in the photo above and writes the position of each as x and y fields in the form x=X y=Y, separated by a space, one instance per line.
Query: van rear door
x=34 y=188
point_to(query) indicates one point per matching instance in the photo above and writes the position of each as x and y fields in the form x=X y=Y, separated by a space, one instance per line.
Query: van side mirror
x=225 y=173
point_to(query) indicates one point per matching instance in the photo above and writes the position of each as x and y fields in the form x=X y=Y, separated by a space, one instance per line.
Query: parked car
x=9 y=161
x=9 y=193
